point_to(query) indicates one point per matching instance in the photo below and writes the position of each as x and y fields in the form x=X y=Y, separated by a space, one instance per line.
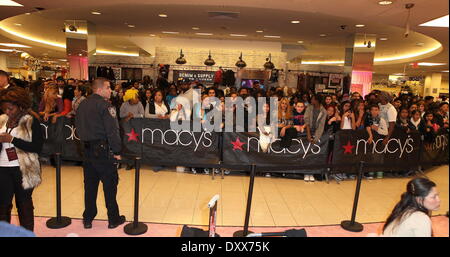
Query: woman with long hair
x=51 y=104
x=158 y=107
x=21 y=142
x=284 y=116
x=411 y=215
x=359 y=110
x=347 y=116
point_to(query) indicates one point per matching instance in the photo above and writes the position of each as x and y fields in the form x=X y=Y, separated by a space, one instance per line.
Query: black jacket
x=96 y=120
x=152 y=108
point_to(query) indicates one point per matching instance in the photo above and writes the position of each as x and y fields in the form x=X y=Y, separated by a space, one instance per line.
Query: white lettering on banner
x=176 y=137
x=306 y=149
x=152 y=131
x=296 y=152
x=181 y=143
x=303 y=146
x=73 y=135
x=207 y=139
x=204 y=139
x=318 y=148
x=440 y=142
x=389 y=148
x=46 y=130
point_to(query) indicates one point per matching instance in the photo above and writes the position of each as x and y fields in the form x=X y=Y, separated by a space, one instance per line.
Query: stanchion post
x=245 y=232
x=352 y=225
x=58 y=221
x=136 y=228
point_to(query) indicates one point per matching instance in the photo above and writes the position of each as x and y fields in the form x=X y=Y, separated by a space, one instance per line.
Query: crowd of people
x=299 y=113
x=24 y=105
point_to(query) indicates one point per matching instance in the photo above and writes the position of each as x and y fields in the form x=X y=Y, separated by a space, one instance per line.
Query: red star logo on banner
x=348 y=148
x=237 y=145
x=132 y=136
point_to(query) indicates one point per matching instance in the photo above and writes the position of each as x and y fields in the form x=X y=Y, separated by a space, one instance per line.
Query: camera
x=343 y=27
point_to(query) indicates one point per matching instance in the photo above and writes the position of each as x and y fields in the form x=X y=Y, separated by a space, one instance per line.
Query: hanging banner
x=402 y=151
x=245 y=149
x=61 y=137
x=436 y=151
x=155 y=141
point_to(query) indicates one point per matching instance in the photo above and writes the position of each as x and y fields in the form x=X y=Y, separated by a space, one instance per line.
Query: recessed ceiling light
x=131 y=26
x=360 y=25
x=27 y=13
x=385 y=2
x=429 y=64
x=439 y=22
x=162 y=15
x=445 y=71
x=14 y=45
x=259 y=31
x=323 y=35
x=9 y=3
x=17 y=24
x=195 y=28
x=6 y=50
x=203 y=34
x=300 y=42
x=152 y=35
x=96 y=13
x=170 y=32
x=295 y=22
x=383 y=38
x=272 y=36
x=237 y=35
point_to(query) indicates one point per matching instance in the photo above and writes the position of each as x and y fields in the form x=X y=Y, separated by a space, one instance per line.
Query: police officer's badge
x=112 y=111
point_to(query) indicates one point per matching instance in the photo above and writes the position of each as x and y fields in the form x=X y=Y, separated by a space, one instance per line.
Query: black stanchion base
x=240 y=233
x=135 y=229
x=352 y=227
x=55 y=223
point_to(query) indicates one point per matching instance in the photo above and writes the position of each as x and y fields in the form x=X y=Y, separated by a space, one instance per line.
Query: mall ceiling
x=121 y=20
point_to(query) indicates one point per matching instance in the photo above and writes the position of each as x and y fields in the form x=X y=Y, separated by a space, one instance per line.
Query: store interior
x=299 y=45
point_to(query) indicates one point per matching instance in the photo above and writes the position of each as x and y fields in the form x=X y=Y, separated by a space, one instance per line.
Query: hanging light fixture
x=209 y=61
x=181 y=59
x=240 y=63
x=269 y=65
x=408 y=7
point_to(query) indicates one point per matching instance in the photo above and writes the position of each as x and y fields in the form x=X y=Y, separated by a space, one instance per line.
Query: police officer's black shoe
x=87 y=224
x=119 y=222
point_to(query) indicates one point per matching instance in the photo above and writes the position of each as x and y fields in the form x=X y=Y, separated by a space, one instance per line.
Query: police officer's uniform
x=98 y=129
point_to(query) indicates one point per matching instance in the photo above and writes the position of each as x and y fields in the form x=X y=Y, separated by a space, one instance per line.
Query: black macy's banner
x=155 y=142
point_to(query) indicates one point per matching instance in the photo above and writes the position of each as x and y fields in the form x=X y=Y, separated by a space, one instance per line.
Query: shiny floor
x=181 y=198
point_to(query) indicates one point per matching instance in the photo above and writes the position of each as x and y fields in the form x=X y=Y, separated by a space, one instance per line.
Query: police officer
x=98 y=129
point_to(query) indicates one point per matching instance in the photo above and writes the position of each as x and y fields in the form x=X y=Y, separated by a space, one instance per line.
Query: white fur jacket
x=28 y=161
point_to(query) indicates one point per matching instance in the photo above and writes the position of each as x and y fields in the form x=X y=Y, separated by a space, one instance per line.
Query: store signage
x=201 y=76
x=154 y=141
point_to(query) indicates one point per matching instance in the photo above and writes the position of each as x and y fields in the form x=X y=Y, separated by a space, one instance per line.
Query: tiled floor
x=181 y=198
x=99 y=229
